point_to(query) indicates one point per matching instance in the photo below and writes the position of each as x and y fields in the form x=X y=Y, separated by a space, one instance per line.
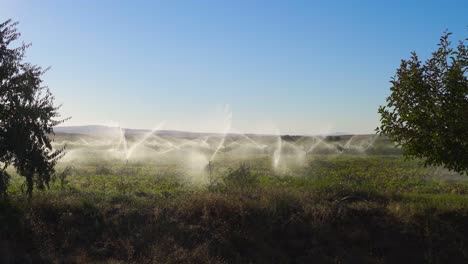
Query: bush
x=103 y=170
x=240 y=179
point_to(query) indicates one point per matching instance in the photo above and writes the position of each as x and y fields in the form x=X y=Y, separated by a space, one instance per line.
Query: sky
x=290 y=67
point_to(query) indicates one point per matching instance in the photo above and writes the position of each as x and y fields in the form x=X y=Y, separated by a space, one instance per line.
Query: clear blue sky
x=293 y=66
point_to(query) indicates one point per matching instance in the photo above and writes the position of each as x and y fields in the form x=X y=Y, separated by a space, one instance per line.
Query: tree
x=27 y=116
x=427 y=111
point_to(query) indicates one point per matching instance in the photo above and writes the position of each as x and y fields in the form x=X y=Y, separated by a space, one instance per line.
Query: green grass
x=249 y=213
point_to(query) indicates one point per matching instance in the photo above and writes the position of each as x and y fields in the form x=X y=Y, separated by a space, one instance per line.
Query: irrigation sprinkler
x=125 y=170
x=210 y=169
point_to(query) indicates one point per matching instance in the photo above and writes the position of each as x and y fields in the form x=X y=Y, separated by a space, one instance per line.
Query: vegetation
x=335 y=209
x=26 y=116
x=427 y=111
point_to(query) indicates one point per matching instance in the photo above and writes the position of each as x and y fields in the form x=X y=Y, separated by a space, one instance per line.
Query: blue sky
x=302 y=67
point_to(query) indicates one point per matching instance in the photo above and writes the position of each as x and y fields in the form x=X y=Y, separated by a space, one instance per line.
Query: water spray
x=210 y=170
x=277 y=152
x=227 y=122
x=141 y=141
x=200 y=151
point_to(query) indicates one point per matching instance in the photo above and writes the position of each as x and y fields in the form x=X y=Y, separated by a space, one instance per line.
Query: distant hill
x=102 y=130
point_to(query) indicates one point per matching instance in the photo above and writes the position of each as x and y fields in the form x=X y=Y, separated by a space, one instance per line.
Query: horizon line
x=338 y=133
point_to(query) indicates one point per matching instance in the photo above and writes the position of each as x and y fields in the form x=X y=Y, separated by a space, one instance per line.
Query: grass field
x=355 y=203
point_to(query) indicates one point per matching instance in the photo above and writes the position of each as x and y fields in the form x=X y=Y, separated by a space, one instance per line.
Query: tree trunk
x=30 y=182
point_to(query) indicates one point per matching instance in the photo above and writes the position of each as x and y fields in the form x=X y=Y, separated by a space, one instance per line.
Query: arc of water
x=167 y=142
x=84 y=141
x=204 y=143
x=253 y=141
x=348 y=143
x=123 y=140
x=317 y=142
x=166 y=151
x=197 y=142
x=238 y=133
x=147 y=135
x=371 y=143
x=227 y=121
x=277 y=152
x=117 y=147
x=181 y=146
x=173 y=147
x=298 y=144
x=294 y=146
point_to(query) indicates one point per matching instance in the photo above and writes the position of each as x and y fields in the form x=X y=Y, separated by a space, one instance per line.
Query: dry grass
x=262 y=226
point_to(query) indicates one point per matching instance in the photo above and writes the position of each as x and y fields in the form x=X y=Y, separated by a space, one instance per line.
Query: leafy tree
x=427 y=111
x=27 y=116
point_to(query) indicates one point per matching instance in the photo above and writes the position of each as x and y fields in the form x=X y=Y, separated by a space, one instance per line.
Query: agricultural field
x=169 y=164
x=233 y=132
x=195 y=198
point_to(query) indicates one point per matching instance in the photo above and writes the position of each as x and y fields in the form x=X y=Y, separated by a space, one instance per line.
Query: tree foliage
x=427 y=111
x=27 y=116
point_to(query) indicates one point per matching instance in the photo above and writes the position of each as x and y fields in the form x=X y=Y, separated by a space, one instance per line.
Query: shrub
x=240 y=178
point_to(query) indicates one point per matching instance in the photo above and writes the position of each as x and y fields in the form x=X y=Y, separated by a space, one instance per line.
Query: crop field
x=170 y=164
x=236 y=198
x=241 y=132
